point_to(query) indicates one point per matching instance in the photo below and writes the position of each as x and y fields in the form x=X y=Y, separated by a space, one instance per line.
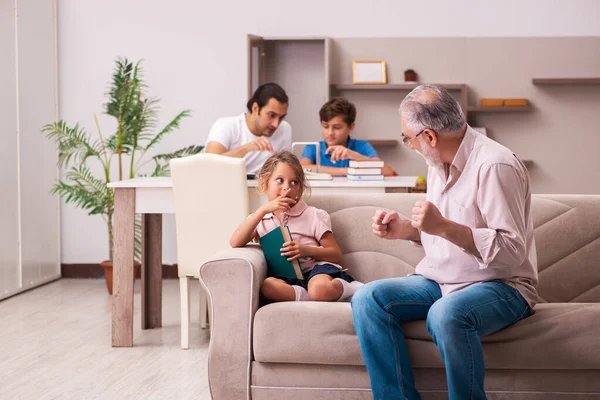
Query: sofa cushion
x=323 y=333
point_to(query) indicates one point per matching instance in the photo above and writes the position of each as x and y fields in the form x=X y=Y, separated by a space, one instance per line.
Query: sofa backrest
x=567 y=235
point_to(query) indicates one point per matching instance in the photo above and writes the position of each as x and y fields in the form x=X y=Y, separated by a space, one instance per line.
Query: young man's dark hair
x=264 y=93
x=338 y=106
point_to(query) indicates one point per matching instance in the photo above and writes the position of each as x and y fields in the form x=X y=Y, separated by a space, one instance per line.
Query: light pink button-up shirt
x=488 y=190
x=307 y=226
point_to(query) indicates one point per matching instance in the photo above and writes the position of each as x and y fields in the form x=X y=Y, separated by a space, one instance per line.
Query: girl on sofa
x=282 y=179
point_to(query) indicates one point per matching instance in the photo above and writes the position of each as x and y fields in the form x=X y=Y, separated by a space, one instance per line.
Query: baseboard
x=87 y=271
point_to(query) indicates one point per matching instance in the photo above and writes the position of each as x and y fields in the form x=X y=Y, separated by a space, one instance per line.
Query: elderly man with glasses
x=479 y=273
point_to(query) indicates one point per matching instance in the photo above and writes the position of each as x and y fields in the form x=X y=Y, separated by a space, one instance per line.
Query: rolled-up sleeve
x=322 y=223
x=502 y=200
x=222 y=133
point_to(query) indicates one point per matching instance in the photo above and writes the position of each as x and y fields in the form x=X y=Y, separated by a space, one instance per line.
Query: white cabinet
x=29 y=214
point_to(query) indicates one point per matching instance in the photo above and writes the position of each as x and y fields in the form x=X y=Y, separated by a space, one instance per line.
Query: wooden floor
x=55 y=344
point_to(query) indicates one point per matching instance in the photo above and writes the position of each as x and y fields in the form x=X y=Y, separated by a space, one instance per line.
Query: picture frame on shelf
x=369 y=72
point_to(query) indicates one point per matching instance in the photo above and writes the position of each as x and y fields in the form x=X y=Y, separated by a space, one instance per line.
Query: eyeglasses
x=406 y=140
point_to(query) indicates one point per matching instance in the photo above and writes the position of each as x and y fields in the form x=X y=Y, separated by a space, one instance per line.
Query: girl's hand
x=281 y=203
x=293 y=250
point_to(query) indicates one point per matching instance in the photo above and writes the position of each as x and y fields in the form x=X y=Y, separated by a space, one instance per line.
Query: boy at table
x=338 y=148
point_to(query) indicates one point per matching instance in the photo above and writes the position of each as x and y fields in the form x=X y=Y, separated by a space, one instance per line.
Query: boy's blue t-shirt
x=360 y=146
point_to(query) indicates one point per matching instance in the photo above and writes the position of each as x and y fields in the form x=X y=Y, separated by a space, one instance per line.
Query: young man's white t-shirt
x=233 y=132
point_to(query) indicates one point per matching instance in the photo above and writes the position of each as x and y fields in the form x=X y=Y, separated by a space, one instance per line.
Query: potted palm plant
x=128 y=146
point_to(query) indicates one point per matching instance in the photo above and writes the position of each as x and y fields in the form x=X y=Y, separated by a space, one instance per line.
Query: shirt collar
x=294 y=212
x=464 y=150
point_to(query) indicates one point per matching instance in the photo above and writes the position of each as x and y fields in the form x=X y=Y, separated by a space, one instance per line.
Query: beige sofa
x=309 y=350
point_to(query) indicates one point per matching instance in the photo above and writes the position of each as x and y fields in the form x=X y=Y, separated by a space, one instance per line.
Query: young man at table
x=254 y=135
x=338 y=148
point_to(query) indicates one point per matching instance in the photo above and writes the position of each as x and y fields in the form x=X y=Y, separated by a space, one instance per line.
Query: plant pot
x=107 y=266
x=410 y=76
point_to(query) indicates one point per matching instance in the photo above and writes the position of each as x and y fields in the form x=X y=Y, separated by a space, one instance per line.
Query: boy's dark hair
x=338 y=106
x=264 y=93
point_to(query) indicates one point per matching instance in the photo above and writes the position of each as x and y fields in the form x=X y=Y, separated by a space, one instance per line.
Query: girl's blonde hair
x=289 y=158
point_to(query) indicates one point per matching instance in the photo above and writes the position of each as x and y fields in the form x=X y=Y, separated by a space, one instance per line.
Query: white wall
x=195 y=57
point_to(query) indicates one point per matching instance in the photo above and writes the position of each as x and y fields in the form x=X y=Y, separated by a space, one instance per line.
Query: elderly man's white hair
x=432 y=107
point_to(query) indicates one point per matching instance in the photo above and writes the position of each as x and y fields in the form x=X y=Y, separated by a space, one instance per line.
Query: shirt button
x=430 y=265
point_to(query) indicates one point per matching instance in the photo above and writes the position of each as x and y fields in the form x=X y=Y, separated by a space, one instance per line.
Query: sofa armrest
x=232 y=279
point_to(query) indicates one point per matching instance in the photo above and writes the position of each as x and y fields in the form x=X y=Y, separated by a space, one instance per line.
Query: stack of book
x=365 y=170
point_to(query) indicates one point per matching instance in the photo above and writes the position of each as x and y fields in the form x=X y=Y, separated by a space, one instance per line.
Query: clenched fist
x=427 y=218
x=387 y=225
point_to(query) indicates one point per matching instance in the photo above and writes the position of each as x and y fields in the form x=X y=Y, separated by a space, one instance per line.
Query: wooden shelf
x=501 y=109
x=295 y=38
x=383 y=142
x=566 y=81
x=391 y=86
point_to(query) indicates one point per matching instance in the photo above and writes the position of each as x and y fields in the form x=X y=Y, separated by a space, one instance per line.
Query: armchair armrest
x=232 y=279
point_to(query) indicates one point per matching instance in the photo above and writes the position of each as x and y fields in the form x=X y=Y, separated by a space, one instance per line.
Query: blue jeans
x=455 y=322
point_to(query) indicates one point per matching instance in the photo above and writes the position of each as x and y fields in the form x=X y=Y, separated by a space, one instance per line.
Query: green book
x=277 y=264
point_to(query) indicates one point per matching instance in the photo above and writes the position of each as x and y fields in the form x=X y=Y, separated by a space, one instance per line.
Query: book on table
x=366 y=164
x=278 y=265
x=364 y=171
x=365 y=177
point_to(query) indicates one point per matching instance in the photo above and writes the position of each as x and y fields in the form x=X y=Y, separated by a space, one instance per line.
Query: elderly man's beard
x=430 y=155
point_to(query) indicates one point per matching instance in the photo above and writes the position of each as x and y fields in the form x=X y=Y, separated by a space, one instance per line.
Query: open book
x=278 y=265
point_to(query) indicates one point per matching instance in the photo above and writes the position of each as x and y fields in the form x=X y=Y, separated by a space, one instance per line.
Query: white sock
x=349 y=289
x=301 y=293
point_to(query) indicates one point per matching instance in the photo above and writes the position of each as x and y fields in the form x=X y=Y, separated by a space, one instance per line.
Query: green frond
x=186 y=151
x=161 y=169
x=161 y=161
x=100 y=147
x=83 y=177
x=73 y=143
x=171 y=126
x=142 y=122
x=85 y=191
x=119 y=91
x=81 y=197
x=136 y=115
